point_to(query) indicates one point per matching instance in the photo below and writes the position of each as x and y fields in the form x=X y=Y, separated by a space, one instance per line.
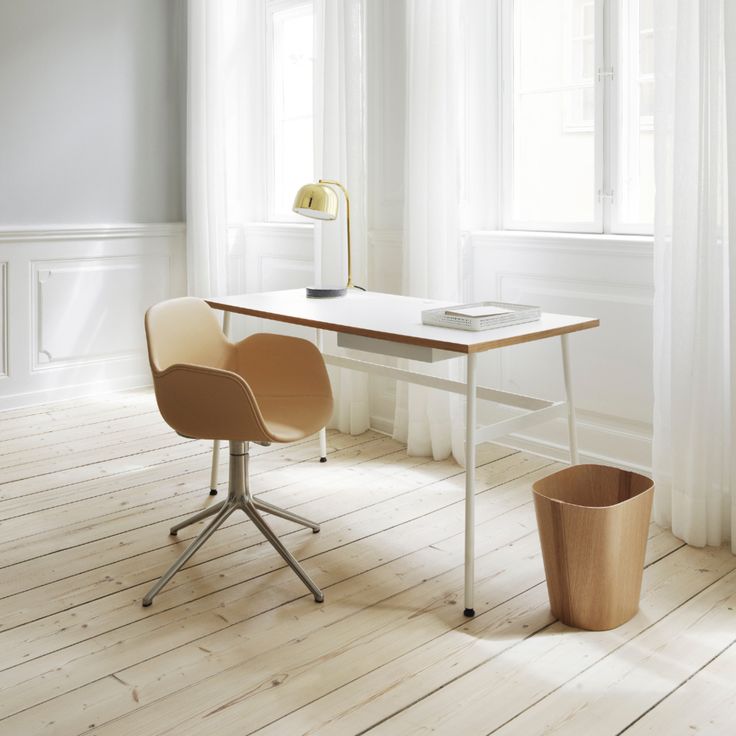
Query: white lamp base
x=317 y=292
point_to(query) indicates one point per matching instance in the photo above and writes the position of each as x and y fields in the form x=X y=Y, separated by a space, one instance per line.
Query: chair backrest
x=185 y=330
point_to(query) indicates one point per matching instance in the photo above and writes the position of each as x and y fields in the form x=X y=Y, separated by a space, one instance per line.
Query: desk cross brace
x=539 y=410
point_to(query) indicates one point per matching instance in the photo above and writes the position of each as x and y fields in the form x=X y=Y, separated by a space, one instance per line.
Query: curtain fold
x=431 y=422
x=340 y=141
x=694 y=443
x=225 y=129
x=206 y=153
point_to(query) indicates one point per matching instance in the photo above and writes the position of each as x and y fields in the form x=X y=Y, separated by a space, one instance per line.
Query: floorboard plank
x=704 y=703
x=622 y=685
x=492 y=695
x=337 y=571
x=102 y=569
x=19 y=449
x=386 y=690
x=235 y=644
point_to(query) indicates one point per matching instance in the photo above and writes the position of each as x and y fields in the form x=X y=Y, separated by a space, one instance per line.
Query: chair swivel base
x=239 y=498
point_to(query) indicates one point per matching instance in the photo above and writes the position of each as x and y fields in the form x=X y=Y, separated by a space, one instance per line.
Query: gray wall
x=91 y=111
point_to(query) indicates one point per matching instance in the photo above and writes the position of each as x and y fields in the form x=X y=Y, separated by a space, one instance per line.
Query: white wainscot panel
x=605 y=277
x=91 y=309
x=612 y=364
x=3 y=320
x=269 y=257
x=275 y=256
x=285 y=273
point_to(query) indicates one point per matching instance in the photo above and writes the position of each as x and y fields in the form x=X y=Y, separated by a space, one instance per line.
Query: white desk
x=392 y=325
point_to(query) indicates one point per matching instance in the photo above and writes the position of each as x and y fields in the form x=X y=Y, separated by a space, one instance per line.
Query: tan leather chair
x=267 y=388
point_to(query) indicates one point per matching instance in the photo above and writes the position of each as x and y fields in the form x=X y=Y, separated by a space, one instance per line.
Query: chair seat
x=291 y=418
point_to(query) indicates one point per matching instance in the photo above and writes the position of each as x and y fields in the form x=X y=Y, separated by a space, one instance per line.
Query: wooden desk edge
x=407 y=339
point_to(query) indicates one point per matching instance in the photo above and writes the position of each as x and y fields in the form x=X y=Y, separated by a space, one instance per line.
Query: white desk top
x=391 y=317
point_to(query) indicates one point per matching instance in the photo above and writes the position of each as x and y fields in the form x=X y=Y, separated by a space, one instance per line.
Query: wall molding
x=278 y=229
x=43 y=233
x=586 y=244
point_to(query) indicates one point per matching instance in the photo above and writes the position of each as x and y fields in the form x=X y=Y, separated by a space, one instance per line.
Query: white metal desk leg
x=571 y=426
x=216 y=443
x=323 y=431
x=471 y=384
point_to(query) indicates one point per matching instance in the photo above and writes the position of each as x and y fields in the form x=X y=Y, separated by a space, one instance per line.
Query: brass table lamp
x=319 y=201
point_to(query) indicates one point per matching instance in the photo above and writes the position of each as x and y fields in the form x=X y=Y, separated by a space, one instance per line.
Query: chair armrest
x=208 y=403
x=282 y=365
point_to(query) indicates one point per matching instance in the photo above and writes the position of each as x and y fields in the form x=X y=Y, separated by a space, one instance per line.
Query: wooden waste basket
x=593 y=525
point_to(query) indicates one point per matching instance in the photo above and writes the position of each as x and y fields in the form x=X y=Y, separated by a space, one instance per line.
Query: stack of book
x=481 y=315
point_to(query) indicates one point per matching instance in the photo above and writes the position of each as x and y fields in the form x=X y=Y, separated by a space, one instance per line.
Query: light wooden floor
x=235 y=645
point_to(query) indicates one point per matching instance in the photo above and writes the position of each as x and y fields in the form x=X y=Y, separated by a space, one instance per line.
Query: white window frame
x=615 y=24
x=606 y=218
x=273 y=7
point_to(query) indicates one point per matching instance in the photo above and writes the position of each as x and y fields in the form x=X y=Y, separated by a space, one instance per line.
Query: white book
x=481 y=315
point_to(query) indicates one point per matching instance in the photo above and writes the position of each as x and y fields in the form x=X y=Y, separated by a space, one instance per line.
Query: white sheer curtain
x=206 y=155
x=340 y=140
x=226 y=163
x=694 y=450
x=225 y=112
x=431 y=421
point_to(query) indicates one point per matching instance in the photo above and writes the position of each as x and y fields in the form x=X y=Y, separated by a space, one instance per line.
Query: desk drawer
x=395 y=349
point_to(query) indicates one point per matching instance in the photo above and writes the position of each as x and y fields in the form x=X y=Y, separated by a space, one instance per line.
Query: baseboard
x=630 y=446
x=382 y=425
x=560 y=453
x=77 y=391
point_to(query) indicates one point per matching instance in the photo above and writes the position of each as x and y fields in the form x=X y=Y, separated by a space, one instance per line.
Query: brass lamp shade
x=318 y=201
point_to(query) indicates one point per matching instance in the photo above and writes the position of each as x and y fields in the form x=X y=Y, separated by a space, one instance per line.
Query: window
x=290 y=61
x=633 y=133
x=577 y=115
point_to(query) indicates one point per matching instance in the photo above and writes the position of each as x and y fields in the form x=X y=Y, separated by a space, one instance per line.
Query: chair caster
x=213 y=491
x=323 y=459
x=469 y=612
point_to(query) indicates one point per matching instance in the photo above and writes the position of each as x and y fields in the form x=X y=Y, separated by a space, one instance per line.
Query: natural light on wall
x=577 y=122
x=291 y=147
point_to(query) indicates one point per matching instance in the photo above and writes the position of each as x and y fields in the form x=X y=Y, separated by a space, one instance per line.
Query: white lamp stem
x=347 y=217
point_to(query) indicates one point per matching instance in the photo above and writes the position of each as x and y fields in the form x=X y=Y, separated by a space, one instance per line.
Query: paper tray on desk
x=518 y=314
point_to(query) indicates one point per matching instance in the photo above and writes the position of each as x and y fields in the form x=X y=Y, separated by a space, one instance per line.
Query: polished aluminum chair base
x=239 y=497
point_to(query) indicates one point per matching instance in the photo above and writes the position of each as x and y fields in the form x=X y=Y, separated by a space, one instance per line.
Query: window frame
x=606 y=216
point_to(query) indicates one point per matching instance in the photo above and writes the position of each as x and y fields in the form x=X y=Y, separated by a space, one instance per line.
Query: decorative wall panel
x=72 y=301
x=92 y=308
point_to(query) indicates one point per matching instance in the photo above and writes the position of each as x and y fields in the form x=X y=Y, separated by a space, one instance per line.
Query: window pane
x=634 y=190
x=553 y=166
x=293 y=144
